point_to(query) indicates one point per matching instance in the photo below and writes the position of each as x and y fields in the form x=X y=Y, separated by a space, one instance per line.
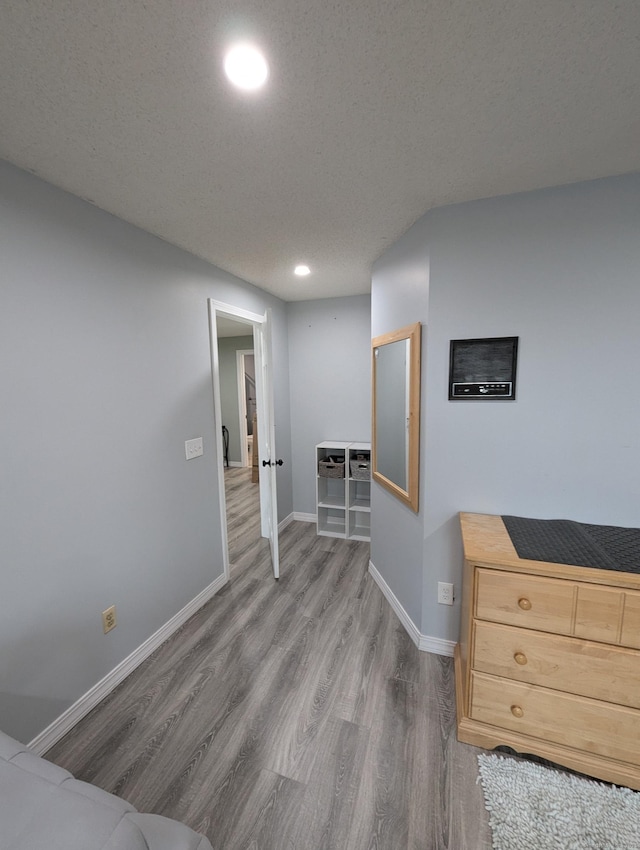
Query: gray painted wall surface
x=227 y=347
x=104 y=373
x=399 y=297
x=330 y=377
x=559 y=269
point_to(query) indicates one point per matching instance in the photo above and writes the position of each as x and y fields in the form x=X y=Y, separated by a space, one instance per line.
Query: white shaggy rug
x=537 y=808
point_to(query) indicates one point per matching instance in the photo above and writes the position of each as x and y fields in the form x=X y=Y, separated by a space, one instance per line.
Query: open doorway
x=247 y=403
x=238 y=409
x=235 y=347
x=248 y=497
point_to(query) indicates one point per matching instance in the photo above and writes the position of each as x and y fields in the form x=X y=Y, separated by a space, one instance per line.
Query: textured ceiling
x=375 y=112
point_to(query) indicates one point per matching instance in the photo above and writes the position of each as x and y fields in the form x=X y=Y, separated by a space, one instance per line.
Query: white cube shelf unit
x=344 y=503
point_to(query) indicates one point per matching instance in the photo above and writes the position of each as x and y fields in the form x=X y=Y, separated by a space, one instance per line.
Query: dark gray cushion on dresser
x=562 y=541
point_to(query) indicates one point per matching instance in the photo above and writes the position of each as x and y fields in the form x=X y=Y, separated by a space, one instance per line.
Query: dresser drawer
x=582 y=667
x=532 y=602
x=631 y=621
x=611 y=731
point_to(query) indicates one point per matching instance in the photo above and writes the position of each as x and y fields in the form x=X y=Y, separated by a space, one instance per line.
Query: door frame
x=263 y=406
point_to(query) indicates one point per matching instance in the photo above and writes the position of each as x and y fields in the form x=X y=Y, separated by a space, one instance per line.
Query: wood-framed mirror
x=395 y=427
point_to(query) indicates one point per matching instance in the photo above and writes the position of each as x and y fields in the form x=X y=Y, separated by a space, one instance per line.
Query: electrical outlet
x=193 y=448
x=109 y=619
x=445 y=593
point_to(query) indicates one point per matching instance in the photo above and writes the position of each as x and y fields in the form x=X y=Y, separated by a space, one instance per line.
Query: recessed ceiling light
x=246 y=67
x=302 y=271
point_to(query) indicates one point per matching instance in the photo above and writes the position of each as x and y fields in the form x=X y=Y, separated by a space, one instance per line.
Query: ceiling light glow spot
x=246 y=67
x=302 y=271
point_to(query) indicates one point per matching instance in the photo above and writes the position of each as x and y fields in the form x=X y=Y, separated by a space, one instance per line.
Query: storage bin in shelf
x=331 y=467
x=360 y=469
x=360 y=461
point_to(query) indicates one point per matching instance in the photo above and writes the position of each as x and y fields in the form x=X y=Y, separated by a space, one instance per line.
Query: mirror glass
x=392 y=411
x=396 y=412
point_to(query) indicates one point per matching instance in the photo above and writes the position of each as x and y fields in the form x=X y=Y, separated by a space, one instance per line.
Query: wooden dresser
x=549 y=657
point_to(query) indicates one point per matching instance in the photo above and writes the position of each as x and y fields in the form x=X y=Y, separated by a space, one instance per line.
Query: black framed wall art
x=483 y=369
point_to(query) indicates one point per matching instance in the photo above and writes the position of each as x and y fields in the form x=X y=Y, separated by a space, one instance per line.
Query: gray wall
x=104 y=373
x=330 y=379
x=559 y=269
x=227 y=347
x=399 y=297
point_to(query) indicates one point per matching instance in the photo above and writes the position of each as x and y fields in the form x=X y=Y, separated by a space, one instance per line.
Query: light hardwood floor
x=290 y=715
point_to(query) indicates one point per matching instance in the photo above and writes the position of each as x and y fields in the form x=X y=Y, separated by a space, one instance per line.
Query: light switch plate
x=193 y=448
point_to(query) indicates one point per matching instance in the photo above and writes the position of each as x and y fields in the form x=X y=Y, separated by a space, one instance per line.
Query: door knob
x=278 y=462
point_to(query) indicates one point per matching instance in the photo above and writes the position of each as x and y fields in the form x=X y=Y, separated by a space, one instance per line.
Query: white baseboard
x=285 y=522
x=424 y=642
x=295 y=517
x=438 y=646
x=304 y=517
x=237 y=463
x=68 y=719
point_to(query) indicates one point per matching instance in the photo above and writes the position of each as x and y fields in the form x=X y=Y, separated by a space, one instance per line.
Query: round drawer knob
x=524 y=603
x=517 y=711
x=520 y=658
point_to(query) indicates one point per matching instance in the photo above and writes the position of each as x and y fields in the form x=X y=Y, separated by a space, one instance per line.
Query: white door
x=268 y=461
x=266 y=427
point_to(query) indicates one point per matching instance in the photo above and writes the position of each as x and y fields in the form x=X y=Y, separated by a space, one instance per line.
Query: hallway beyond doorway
x=243 y=518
